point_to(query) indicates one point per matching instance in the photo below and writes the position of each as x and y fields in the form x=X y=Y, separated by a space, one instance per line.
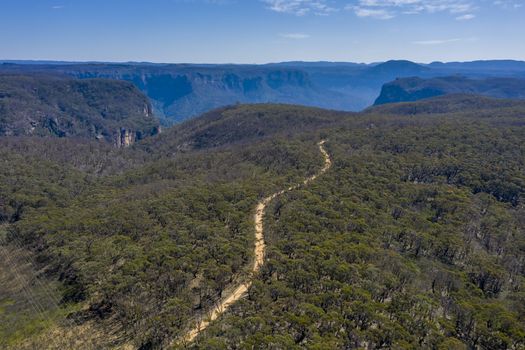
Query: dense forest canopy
x=57 y=106
x=415 y=238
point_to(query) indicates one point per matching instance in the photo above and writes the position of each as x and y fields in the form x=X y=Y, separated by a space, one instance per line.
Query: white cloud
x=296 y=36
x=300 y=7
x=436 y=42
x=444 y=41
x=374 y=13
x=466 y=17
x=508 y=4
x=57 y=7
x=384 y=9
x=461 y=10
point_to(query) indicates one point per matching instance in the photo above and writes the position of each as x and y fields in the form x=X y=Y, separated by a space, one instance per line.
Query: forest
x=415 y=238
x=54 y=105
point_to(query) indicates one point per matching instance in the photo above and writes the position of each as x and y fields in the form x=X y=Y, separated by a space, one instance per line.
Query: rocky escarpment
x=180 y=93
x=414 y=89
x=106 y=110
x=124 y=137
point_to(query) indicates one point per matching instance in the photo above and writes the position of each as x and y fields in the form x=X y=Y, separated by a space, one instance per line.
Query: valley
x=178 y=92
x=262 y=175
x=414 y=236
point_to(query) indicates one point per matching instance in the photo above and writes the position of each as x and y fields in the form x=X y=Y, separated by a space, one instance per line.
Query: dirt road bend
x=259 y=252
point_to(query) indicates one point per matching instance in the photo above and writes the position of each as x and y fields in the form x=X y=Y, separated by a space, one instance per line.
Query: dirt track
x=259 y=252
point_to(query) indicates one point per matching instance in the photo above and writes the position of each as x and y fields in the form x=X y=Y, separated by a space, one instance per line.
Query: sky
x=262 y=31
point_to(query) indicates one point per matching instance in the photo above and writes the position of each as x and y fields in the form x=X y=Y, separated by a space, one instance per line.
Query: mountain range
x=181 y=91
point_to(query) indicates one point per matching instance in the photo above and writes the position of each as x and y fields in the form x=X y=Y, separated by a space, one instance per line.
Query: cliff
x=414 y=89
x=40 y=105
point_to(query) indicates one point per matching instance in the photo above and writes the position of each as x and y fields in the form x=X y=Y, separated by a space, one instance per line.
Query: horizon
x=58 y=62
x=261 y=31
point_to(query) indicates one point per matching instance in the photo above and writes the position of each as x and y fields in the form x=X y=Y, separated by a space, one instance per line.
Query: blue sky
x=260 y=31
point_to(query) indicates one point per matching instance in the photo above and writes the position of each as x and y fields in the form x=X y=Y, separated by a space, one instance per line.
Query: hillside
x=465 y=104
x=242 y=124
x=413 y=238
x=413 y=89
x=43 y=105
x=181 y=91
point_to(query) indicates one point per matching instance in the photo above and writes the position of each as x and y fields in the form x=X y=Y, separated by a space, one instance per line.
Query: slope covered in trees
x=413 y=239
x=464 y=104
x=414 y=88
x=43 y=105
x=148 y=247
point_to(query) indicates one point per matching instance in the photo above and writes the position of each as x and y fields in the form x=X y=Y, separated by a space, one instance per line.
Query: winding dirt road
x=259 y=252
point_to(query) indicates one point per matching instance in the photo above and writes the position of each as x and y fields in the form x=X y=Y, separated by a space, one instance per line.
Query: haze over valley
x=178 y=92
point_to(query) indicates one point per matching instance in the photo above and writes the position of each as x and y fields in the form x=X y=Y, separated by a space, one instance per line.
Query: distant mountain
x=114 y=111
x=178 y=92
x=316 y=64
x=413 y=89
x=501 y=66
x=453 y=103
x=397 y=68
x=182 y=91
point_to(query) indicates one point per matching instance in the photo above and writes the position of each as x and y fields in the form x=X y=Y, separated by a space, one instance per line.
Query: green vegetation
x=27 y=306
x=415 y=88
x=414 y=239
x=44 y=105
x=151 y=245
